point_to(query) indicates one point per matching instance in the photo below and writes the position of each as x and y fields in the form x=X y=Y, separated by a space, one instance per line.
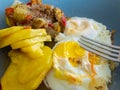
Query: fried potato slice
x=30 y=41
x=21 y=35
x=24 y=73
x=8 y=31
x=33 y=51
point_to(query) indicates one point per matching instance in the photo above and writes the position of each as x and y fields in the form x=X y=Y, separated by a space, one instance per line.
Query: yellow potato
x=30 y=41
x=24 y=73
x=20 y=12
x=33 y=51
x=21 y=35
x=7 y=31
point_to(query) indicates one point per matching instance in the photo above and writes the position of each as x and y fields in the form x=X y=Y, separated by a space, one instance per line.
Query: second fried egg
x=74 y=68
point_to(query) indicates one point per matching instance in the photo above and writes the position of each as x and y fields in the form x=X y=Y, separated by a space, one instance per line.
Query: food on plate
x=34 y=50
x=20 y=35
x=25 y=73
x=30 y=41
x=7 y=31
x=75 y=68
x=89 y=28
x=30 y=61
x=36 y=15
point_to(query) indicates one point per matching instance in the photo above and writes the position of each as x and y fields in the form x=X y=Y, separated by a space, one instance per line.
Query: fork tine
x=101 y=44
x=98 y=48
x=98 y=53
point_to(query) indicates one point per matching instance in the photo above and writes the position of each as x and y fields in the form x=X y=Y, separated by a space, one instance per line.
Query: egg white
x=76 y=27
x=93 y=30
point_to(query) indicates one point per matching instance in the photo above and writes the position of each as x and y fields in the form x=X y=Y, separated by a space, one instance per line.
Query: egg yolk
x=70 y=50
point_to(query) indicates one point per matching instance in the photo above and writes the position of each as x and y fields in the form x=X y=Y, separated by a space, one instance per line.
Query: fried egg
x=75 y=68
x=77 y=26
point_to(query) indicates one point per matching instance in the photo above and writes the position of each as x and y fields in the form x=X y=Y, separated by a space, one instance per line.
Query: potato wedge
x=8 y=31
x=30 y=41
x=24 y=73
x=21 y=35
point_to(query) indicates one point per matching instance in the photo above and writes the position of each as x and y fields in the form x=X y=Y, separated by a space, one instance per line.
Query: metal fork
x=110 y=52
